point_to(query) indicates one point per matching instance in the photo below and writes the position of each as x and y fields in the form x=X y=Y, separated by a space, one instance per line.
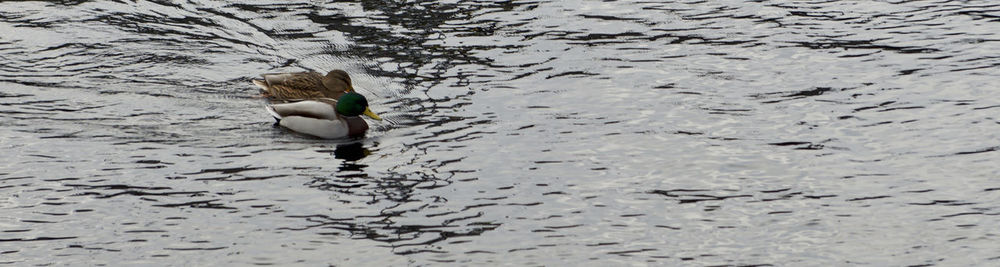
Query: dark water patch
x=570 y=73
x=144 y=231
x=728 y=111
x=16 y=178
x=225 y=170
x=627 y=252
x=204 y=204
x=800 y=145
x=944 y=203
x=686 y=196
x=864 y=175
x=36 y=221
x=961 y=214
x=780 y=197
x=971 y=152
x=400 y=236
x=794 y=95
x=50 y=203
x=44 y=238
x=195 y=248
x=605 y=17
x=868 y=198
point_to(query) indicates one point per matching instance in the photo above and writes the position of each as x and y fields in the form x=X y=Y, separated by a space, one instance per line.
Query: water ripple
x=516 y=132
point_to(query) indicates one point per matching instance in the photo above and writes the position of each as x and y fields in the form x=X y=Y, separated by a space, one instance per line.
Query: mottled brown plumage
x=305 y=85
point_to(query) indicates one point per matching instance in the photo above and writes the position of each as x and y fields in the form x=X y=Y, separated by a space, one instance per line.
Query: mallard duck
x=323 y=106
x=305 y=85
x=325 y=117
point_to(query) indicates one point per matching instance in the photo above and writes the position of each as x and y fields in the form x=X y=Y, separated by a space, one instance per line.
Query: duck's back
x=297 y=85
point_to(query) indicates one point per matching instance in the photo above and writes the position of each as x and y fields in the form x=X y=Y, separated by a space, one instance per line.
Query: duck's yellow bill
x=371 y=114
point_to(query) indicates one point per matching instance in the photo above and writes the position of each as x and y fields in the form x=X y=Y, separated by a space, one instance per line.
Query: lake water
x=557 y=133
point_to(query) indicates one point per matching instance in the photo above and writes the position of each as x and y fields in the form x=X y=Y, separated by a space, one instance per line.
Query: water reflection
x=399 y=195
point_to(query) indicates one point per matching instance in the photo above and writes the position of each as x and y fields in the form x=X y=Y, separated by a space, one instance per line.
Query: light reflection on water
x=529 y=133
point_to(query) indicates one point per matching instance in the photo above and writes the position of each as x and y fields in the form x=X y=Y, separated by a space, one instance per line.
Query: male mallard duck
x=325 y=117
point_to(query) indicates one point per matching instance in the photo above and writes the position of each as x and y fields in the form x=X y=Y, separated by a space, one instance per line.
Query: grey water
x=524 y=133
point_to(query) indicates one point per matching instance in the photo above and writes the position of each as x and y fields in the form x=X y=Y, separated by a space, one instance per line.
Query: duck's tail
x=264 y=87
x=270 y=110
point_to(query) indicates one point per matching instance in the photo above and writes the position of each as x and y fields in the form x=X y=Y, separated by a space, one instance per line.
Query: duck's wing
x=291 y=85
x=291 y=78
x=322 y=109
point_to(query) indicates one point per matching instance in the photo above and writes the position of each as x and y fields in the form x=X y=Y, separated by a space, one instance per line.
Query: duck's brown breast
x=356 y=126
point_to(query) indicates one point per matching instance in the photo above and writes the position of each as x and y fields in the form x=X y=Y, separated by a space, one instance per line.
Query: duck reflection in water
x=351 y=153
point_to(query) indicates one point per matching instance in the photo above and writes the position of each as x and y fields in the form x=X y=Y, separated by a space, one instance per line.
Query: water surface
x=699 y=133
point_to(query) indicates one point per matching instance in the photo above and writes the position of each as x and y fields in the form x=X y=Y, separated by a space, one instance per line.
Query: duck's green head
x=354 y=104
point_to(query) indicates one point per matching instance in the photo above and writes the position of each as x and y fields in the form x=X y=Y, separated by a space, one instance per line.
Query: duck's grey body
x=317 y=117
